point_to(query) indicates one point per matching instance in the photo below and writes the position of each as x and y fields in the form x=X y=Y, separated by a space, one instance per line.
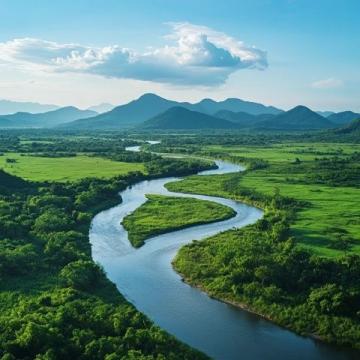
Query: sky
x=277 y=52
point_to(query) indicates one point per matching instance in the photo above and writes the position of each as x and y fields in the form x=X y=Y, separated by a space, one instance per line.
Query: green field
x=161 y=214
x=285 y=152
x=38 y=168
x=328 y=208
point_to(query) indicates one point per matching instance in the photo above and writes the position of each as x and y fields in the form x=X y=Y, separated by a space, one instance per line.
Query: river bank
x=146 y=278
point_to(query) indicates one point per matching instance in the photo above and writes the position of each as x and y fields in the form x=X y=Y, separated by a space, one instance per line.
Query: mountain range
x=242 y=119
x=150 y=105
x=299 y=118
x=151 y=111
x=343 y=117
x=181 y=118
x=44 y=120
x=12 y=107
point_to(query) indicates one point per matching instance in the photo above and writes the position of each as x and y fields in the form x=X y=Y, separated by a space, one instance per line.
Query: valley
x=263 y=226
x=179 y=180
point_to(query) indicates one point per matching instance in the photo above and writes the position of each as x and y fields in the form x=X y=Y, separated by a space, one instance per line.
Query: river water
x=146 y=278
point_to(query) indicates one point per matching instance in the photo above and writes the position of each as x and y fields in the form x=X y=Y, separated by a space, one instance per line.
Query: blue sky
x=279 y=52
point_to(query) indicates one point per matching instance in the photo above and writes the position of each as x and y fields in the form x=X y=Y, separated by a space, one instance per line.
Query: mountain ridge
x=44 y=120
x=150 y=105
x=181 y=118
x=8 y=107
x=299 y=118
x=343 y=117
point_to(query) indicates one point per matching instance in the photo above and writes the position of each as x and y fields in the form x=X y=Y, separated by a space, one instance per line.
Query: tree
x=81 y=274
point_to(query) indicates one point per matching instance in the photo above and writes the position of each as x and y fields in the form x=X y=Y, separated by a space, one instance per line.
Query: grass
x=328 y=207
x=38 y=168
x=162 y=214
x=285 y=152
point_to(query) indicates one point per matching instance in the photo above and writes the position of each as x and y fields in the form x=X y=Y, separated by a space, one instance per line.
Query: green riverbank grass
x=285 y=152
x=328 y=208
x=162 y=214
x=36 y=168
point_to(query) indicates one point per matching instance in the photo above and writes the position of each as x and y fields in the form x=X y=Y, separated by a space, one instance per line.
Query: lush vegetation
x=40 y=168
x=299 y=266
x=324 y=177
x=161 y=214
x=55 y=302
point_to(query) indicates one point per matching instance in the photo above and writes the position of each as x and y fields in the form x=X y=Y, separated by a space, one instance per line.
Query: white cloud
x=195 y=55
x=330 y=83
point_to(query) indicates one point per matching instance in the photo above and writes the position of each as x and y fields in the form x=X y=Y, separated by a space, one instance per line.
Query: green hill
x=352 y=128
x=299 y=118
x=241 y=118
x=344 y=117
x=181 y=118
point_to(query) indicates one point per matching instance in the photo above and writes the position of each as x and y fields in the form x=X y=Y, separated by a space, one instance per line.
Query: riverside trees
x=55 y=302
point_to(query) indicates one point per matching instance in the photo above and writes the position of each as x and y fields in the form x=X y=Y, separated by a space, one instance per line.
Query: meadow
x=285 y=151
x=161 y=214
x=38 y=168
x=328 y=210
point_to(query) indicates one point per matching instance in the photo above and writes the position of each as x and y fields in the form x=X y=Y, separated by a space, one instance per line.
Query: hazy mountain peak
x=12 y=107
x=102 y=108
x=47 y=119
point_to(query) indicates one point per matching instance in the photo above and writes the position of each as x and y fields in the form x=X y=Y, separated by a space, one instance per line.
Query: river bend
x=146 y=278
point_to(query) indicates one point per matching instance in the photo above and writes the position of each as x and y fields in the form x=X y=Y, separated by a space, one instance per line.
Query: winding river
x=146 y=278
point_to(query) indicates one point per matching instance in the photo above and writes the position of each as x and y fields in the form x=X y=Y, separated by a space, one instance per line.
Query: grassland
x=162 y=214
x=285 y=152
x=328 y=208
x=38 y=168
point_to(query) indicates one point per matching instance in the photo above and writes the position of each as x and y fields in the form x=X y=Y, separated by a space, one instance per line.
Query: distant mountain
x=101 y=108
x=150 y=105
x=235 y=105
x=243 y=119
x=298 y=118
x=343 y=117
x=48 y=119
x=325 y=113
x=4 y=122
x=181 y=118
x=11 y=107
x=128 y=115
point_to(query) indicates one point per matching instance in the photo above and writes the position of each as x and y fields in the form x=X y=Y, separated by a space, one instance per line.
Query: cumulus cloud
x=194 y=55
x=329 y=83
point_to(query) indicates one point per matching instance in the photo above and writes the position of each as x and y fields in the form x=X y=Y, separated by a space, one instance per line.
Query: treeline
x=261 y=267
x=177 y=167
x=55 y=302
x=336 y=171
x=53 y=142
x=331 y=171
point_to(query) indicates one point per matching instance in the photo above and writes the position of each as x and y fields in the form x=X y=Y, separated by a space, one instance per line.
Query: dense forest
x=55 y=302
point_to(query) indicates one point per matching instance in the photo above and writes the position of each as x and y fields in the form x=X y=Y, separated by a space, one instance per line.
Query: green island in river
x=161 y=214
